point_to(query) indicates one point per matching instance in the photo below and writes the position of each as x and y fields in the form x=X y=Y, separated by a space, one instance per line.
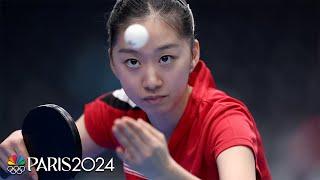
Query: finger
x=3 y=157
x=151 y=129
x=2 y=165
x=5 y=153
x=124 y=141
x=120 y=153
x=119 y=132
x=145 y=135
x=133 y=132
x=22 y=150
x=125 y=156
x=3 y=160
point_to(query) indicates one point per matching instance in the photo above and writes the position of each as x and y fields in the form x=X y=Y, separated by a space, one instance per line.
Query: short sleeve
x=233 y=127
x=99 y=119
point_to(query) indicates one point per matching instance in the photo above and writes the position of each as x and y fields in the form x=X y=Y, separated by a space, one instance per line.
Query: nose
x=151 y=80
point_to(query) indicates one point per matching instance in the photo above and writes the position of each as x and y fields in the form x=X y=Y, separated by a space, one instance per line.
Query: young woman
x=168 y=121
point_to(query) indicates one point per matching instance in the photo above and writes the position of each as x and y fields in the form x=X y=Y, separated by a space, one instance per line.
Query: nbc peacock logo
x=16 y=164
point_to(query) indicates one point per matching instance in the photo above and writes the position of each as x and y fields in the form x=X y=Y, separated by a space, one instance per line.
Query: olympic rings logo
x=16 y=169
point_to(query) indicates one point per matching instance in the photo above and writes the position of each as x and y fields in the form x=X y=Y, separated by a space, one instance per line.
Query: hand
x=14 y=145
x=144 y=148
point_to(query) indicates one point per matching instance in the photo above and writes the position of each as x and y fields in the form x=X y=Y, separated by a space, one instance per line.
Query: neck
x=166 y=122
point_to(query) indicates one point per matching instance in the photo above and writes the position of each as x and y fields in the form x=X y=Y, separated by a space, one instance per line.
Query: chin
x=156 y=109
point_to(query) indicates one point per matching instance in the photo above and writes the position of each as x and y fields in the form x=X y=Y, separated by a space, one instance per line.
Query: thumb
x=120 y=153
x=21 y=149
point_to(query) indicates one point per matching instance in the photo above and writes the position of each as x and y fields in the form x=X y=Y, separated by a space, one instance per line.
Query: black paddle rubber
x=49 y=131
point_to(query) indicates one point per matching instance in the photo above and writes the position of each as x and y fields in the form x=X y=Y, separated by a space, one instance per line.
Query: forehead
x=160 y=33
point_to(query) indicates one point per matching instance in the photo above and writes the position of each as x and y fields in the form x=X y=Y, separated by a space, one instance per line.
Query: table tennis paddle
x=49 y=131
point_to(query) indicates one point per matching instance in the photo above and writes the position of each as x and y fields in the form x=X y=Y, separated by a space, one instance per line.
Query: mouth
x=154 y=99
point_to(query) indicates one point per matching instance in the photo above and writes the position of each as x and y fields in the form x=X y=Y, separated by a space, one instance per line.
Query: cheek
x=130 y=84
x=178 y=81
x=124 y=76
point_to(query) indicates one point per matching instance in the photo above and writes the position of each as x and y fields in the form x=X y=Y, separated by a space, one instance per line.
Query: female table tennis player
x=168 y=121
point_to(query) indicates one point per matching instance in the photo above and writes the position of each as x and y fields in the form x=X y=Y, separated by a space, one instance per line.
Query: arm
x=236 y=163
x=14 y=144
x=89 y=147
x=145 y=150
x=175 y=171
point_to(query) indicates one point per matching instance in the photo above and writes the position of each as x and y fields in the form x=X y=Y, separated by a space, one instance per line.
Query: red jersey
x=211 y=123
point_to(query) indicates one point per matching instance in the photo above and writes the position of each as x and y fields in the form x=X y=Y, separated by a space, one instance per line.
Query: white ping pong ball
x=136 y=36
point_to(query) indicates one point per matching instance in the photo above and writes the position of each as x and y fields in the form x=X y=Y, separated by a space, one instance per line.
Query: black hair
x=176 y=13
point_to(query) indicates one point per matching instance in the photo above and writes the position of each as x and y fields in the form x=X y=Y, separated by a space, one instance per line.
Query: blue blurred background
x=266 y=53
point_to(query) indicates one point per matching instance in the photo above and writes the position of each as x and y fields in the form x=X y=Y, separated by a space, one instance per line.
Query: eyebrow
x=161 y=48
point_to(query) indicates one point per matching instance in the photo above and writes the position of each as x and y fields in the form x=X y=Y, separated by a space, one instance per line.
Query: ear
x=111 y=63
x=195 y=55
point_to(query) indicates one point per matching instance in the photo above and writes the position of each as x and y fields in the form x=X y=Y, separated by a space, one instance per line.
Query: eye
x=132 y=63
x=166 y=59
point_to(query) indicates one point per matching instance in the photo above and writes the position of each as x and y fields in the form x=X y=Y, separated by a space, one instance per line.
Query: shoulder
x=229 y=123
x=222 y=112
x=215 y=104
x=226 y=121
x=100 y=114
x=116 y=99
x=109 y=106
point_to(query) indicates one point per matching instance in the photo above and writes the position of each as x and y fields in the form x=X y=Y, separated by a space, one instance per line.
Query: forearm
x=175 y=171
x=89 y=147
